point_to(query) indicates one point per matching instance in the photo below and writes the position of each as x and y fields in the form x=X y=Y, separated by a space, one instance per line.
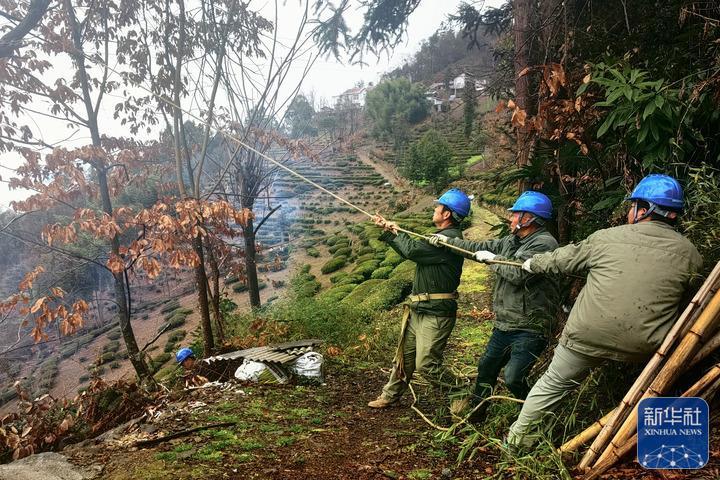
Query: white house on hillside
x=356 y=96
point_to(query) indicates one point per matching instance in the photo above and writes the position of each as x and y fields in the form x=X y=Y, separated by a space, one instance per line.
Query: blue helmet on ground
x=661 y=190
x=183 y=354
x=533 y=202
x=456 y=201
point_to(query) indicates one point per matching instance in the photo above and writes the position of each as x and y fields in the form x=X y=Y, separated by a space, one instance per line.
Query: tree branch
x=11 y=40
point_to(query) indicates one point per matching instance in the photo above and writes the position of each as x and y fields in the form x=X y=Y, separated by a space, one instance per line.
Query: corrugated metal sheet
x=283 y=353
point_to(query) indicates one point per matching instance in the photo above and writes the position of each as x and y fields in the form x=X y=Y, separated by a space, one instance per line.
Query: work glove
x=483 y=256
x=527 y=265
x=436 y=238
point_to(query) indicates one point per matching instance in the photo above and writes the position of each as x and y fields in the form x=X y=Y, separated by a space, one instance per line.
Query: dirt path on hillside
x=385 y=169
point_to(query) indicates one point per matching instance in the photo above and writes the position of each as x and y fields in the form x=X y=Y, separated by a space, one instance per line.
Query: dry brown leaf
x=511 y=104
x=500 y=106
x=518 y=117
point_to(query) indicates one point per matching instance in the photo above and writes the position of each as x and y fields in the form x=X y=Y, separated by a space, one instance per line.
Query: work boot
x=381 y=402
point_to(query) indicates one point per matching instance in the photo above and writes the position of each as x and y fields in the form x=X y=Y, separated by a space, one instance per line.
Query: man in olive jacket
x=429 y=314
x=637 y=275
x=524 y=303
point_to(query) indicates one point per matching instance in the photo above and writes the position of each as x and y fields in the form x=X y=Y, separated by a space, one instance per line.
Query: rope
x=288 y=169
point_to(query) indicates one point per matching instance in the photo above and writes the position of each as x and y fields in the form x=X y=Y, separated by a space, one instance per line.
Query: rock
x=446 y=473
x=46 y=466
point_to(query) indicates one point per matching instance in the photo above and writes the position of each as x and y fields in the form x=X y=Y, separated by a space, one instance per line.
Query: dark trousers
x=517 y=351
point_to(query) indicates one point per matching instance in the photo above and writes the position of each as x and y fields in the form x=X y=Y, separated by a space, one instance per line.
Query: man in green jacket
x=637 y=275
x=429 y=314
x=524 y=303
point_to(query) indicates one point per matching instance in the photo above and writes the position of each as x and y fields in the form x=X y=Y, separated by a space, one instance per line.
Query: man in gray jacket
x=524 y=303
x=637 y=275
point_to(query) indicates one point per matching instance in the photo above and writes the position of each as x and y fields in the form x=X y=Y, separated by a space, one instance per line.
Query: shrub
x=392 y=259
x=387 y=294
x=170 y=306
x=338 y=277
x=338 y=246
x=114 y=365
x=304 y=285
x=240 y=287
x=334 y=264
x=366 y=268
x=343 y=252
x=337 y=293
x=106 y=357
x=405 y=270
x=177 y=336
x=377 y=245
x=313 y=252
x=159 y=361
x=232 y=279
x=365 y=258
x=361 y=292
x=365 y=250
x=382 y=272
x=113 y=347
x=170 y=347
x=114 y=335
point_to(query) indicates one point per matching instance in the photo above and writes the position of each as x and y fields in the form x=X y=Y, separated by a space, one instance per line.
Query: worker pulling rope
x=297 y=174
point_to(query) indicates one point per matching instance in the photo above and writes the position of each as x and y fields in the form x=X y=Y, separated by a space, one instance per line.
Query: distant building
x=355 y=96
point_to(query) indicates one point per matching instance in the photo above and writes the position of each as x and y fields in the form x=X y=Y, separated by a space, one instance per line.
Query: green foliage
x=382 y=272
x=392 y=106
x=299 y=117
x=387 y=294
x=648 y=115
x=361 y=292
x=469 y=104
x=304 y=285
x=405 y=270
x=392 y=259
x=340 y=244
x=366 y=268
x=428 y=159
x=342 y=252
x=701 y=221
x=313 y=252
x=350 y=278
x=334 y=264
x=337 y=293
x=170 y=306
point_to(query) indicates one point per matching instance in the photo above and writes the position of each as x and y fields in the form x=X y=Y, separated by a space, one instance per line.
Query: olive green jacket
x=437 y=271
x=521 y=300
x=636 y=278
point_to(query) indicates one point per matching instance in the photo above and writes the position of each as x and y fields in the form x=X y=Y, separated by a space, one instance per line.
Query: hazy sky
x=328 y=77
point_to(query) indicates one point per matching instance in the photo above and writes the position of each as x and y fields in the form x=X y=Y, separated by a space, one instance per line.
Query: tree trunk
x=121 y=294
x=202 y=295
x=522 y=10
x=251 y=265
x=215 y=292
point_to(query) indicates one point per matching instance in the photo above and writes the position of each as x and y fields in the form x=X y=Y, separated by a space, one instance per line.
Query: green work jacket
x=437 y=270
x=636 y=278
x=521 y=300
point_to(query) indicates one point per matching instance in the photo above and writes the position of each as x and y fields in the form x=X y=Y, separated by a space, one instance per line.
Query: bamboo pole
x=705 y=387
x=679 y=329
x=670 y=371
x=586 y=435
x=709 y=347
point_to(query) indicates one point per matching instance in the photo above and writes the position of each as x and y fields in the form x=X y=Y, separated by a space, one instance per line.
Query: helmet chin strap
x=654 y=208
x=522 y=225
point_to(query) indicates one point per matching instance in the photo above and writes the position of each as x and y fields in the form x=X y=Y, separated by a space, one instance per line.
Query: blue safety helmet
x=183 y=354
x=660 y=190
x=456 y=201
x=533 y=202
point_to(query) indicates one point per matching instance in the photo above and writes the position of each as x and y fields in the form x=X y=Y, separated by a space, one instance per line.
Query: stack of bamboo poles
x=689 y=341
